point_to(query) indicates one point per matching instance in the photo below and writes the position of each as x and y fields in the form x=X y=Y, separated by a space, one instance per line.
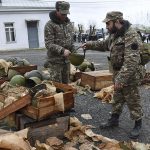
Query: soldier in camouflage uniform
x=58 y=34
x=124 y=44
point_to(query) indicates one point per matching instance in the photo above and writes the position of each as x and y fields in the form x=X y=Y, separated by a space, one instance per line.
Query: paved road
x=86 y=104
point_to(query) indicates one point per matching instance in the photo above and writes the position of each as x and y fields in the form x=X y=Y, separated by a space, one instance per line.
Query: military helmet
x=33 y=73
x=86 y=65
x=46 y=76
x=32 y=81
x=11 y=73
x=113 y=15
x=17 y=80
x=76 y=59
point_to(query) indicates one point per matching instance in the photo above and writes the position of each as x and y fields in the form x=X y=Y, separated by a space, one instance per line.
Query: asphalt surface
x=86 y=104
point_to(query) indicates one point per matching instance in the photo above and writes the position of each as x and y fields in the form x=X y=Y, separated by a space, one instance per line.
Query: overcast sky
x=94 y=11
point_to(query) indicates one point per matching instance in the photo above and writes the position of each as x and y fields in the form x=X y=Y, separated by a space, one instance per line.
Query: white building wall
x=21 y=32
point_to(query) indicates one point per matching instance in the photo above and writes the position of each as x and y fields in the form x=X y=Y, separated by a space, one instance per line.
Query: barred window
x=10 y=32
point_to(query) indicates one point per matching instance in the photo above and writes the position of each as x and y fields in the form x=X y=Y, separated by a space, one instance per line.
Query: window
x=10 y=33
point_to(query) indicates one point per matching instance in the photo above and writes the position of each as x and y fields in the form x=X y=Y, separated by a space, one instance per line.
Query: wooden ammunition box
x=96 y=79
x=23 y=69
x=16 y=105
x=45 y=106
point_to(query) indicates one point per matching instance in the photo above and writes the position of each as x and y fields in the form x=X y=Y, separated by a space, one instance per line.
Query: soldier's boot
x=136 y=130
x=112 y=122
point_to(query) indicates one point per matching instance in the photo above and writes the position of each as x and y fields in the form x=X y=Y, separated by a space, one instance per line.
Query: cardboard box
x=96 y=79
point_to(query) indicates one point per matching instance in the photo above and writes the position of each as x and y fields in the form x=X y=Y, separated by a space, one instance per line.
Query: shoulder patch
x=134 y=46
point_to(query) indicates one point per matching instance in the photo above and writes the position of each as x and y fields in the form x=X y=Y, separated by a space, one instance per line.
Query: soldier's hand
x=66 y=52
x=118 y=86
x=84 y=46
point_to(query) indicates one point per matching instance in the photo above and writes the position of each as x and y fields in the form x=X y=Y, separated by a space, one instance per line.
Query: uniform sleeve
x=131 y=58
x=49 y=35
x=98 y=45
x=73 y=47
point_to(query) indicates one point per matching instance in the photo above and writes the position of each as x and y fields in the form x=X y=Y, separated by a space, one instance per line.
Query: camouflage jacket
x=125 y=58
x=58 y=37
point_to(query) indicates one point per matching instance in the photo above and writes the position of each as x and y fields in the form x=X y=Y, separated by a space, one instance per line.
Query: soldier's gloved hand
x=66 y=52
x=118 y=86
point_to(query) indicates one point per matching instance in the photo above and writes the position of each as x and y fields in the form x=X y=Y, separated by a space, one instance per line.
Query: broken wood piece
x=56 y=129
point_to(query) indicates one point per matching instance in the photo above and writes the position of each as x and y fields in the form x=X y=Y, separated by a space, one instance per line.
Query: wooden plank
x=31 y=111
x=24 y=69
x=96 y=79
x=51 y=130
x=38 y=113
x=17 y=120
x=26 y=121
x=102 y=84
x=44 y=102
x=78 y=75
x=22 y=102
x=68 y=100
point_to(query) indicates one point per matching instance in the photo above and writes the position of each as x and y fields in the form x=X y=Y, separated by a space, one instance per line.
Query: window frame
x=11 y=32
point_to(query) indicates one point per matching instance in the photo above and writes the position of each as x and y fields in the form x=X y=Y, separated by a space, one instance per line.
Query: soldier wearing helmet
x=58 y=34
x=124 y=44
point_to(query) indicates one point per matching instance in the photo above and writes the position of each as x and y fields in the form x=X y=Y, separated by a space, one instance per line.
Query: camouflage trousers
x=130 y=96
x=59 y=72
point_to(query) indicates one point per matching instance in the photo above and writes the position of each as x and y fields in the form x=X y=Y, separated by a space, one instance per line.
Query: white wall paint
x=21 y=29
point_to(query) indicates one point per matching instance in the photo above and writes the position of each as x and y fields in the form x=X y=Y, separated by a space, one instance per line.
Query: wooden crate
x=45 y=107
x=78 y=75
x=96 y=79
x=44 y=112
x=23 y=69
x=22 y=102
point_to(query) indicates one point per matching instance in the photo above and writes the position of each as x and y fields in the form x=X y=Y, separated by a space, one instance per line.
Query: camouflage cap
x=113 y=15
x=64 y=7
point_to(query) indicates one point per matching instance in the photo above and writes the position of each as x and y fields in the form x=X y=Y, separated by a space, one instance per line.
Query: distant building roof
x=26 y=3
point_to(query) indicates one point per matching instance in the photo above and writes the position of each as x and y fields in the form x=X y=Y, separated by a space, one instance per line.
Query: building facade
x=22 y=26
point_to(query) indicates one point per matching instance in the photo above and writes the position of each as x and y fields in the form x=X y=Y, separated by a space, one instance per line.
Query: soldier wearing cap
x=58 y=34
x=124 y=44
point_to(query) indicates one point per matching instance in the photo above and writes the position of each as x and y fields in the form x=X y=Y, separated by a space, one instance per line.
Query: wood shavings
x=106 y=94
